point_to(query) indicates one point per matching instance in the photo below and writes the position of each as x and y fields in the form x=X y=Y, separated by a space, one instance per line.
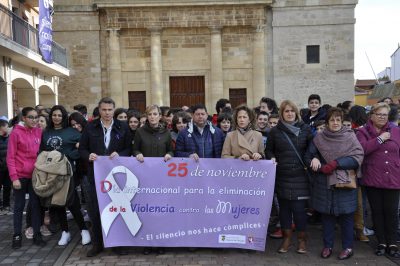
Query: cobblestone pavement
x=75 y=254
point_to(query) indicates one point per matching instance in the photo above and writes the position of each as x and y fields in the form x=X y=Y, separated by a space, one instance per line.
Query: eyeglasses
x=381 y=115
x=31 y=117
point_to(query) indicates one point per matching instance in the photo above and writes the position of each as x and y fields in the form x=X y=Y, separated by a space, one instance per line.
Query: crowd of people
x=331 y=161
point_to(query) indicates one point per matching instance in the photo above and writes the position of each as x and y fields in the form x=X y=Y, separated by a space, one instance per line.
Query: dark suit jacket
x=92 y=141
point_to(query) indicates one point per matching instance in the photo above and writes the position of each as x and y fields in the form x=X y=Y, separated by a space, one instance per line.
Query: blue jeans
x=290 y=210
x=19 y=205
x=346 y=225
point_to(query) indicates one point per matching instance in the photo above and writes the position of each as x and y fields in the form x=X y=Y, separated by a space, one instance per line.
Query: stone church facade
x=180 y=52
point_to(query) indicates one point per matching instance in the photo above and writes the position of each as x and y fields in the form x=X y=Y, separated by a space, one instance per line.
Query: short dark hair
x=81 y=108
x=96 y=112
x=319 y=123
x=271 y=104
x=198 y=106
x=3 y=123
x=358 y=115
x=119 y=111
x=334 y=112
x=64 y=113
x=314 y=97
x=133 y=113
x=222 y=117
x=221 y=104
x=26 y=110
x=249 y=112
x=164 y=110
x=262 y=113
x=181 y=114
x=106 y=100
x=273 y=116
x=347 y=117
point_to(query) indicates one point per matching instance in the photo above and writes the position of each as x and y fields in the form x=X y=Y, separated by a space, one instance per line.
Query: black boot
x=38 y=240
x=96 y=249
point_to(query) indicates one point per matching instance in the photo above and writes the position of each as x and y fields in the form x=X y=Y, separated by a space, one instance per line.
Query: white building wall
x=395 y=69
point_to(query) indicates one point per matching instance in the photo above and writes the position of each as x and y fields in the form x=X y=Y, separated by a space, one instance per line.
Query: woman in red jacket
x=23 y=147
x=381 y=176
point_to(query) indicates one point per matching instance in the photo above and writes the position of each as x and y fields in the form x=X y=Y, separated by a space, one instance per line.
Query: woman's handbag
x=352 y=184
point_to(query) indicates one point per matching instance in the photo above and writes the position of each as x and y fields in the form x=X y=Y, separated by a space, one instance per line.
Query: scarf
x=291 y=126
x=244 y=130
x=334 y=145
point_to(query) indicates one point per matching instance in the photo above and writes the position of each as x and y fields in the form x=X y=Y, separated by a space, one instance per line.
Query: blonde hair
x=292 y=105
x=152 y=107
x=378 y=106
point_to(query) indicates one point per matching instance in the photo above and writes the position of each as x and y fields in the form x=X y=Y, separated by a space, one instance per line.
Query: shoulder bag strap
x=295 y=150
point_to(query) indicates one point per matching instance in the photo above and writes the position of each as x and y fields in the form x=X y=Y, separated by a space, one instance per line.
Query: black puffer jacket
x=291 y=180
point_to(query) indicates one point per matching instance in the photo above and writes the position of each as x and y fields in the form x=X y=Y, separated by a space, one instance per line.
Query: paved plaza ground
x=75 y=253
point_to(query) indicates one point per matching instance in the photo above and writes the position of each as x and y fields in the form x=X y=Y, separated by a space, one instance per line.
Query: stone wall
x=79 y=33
x=287 y=27
x=330 y=27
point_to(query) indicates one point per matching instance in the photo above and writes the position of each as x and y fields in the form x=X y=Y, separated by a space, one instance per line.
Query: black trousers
x=19 y=205
x=5 y=183
x=92 y=205
x=75 y=208
x=384 y=205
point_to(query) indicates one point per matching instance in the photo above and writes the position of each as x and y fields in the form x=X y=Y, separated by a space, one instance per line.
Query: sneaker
x=85 y=237
x=45 y=231
x=38 y=240
x=368 y=232
x=277 y=234
x=16 y=242
x=29 y=233
x=65 y=238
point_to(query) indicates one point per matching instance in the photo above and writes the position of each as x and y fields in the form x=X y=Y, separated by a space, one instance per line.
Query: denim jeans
x=346 y=222
x=290 y=210
x=92 y=205
x=19 y=205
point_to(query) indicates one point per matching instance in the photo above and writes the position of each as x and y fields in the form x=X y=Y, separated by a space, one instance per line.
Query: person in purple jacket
x=381 y=176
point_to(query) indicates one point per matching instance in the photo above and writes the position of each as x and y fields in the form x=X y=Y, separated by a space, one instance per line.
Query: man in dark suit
x=102 y=137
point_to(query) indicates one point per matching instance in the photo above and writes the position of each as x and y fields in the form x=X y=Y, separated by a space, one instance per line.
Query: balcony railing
x=21 y=32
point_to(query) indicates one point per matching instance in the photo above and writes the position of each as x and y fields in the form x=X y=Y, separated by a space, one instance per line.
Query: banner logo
x=120 y=204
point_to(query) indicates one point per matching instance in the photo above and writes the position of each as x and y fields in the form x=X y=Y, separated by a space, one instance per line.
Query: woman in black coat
x=153 y=140
x=292 y=184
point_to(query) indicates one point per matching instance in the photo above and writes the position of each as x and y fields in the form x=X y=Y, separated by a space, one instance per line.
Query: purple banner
x=45 y=29
x=180 y=203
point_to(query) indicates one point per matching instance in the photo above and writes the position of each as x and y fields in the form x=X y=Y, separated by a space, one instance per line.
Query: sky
x=377 y=33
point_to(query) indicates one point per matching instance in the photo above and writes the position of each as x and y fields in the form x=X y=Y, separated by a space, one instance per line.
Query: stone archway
x=47 y=97
x=23 y=94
